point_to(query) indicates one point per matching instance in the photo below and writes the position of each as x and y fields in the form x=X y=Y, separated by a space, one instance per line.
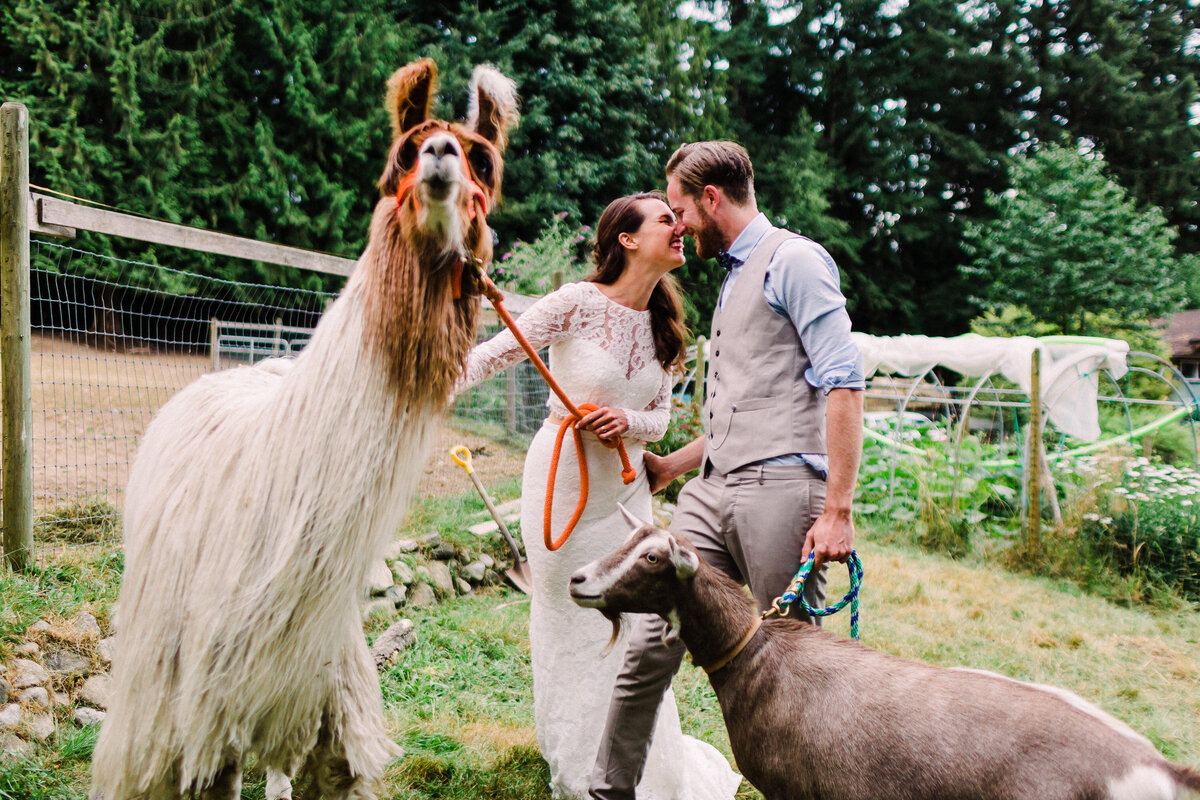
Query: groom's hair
x=723 y=164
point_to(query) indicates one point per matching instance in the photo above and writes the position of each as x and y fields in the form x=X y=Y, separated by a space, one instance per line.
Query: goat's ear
x=410 y=93
x=492 y=106
x=685 y=561
x=670 y=634
x=632 y=518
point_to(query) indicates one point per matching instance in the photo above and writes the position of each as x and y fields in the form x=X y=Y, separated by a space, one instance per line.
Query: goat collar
x=732 y=653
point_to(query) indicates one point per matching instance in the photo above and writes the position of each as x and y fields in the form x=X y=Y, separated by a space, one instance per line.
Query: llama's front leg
x=353 y=747
x=226 y=784
x=279 y=785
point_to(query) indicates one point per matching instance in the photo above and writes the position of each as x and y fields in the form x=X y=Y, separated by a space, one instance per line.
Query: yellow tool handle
x=462 y=456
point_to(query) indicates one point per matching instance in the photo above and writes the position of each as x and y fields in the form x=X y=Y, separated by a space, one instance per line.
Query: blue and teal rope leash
x=795 y=591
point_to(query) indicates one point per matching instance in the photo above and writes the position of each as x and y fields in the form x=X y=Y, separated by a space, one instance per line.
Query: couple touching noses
x=783 y=378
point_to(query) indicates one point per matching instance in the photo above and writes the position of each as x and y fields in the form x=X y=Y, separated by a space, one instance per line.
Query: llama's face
x=445 y=177
x=450 y=180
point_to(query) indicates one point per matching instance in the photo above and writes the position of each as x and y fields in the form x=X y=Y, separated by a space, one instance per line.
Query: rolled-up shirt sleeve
x=802 y=284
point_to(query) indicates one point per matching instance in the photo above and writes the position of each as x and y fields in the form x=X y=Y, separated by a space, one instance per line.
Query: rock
x=439 y=576
x=396 y=595
x=29 y=673
x=85 y=627
x=491 y=576
x=379 y=578
x=105 y=649
x=378 y=605
x=10 y=716
x=475 y=571
x=66 y=662
x=88 y=716
x=40 y=726
x=36 y=696
x=15 y=746
x=396 y=638
x=487 y=560
x=41 y=626
x=5 y=690
x=444 y=552
x=431 y=539
x=27 y=649
x=403 y=573
x=399 y=548
x=60 y=700
x=94 y=691
x=462 y=586
x=422 y=596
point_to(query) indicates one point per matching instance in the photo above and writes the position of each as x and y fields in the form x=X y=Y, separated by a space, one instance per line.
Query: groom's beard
x=708 y=238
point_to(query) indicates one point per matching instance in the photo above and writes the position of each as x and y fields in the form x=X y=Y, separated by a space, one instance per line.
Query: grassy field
x=460 y=701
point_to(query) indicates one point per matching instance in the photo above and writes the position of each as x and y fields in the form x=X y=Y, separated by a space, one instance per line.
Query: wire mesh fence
x=114 y=339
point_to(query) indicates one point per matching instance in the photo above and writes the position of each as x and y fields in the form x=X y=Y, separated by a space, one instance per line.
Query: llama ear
x=492 y=108
x=685 y=560
x=631 y=518
x=410 y=93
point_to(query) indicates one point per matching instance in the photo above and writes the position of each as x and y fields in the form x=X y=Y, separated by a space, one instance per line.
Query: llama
x=259 y=496
x=813 y=715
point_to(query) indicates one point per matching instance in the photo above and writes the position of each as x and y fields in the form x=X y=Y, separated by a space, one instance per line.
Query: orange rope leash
x=628 y=473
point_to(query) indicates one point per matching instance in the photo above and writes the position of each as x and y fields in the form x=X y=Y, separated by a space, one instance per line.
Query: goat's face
x=641 y=577
x=445 y=177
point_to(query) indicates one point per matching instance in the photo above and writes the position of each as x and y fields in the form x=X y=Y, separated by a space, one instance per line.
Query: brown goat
x=813 y=715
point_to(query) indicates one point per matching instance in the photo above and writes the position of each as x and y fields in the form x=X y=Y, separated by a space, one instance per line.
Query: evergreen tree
x=1069 y=245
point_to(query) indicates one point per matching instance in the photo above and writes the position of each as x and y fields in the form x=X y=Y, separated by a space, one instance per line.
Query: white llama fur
x=257 y=501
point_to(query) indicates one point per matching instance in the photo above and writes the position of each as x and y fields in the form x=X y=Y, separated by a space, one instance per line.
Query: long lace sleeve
x=650 y=424
x=547 y=321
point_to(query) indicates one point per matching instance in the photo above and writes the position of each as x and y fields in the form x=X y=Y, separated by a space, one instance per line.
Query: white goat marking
x=1143 y=782
x=1071 y=699
x=600 y=582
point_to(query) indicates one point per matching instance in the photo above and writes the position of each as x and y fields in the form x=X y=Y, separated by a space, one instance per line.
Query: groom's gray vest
x=759 y=405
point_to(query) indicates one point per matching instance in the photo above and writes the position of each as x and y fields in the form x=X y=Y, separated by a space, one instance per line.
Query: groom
x=783 y=430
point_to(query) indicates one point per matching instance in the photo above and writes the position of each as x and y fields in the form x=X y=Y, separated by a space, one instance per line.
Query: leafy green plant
x=686 y=425
x=528 y=268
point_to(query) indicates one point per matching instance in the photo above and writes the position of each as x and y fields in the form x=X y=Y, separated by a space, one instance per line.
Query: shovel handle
x=462 y=456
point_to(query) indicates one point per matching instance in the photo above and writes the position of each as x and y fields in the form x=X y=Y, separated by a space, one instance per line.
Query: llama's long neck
x=364 y=400
x=714 y=614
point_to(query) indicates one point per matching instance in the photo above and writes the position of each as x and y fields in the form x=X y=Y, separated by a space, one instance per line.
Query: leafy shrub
x=529 y=268
x=943 y=497
x=1147 y=528
x=686 y=425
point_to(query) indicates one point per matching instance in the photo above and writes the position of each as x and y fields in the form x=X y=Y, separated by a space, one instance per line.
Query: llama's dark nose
x=577 y=579
x=441 y=146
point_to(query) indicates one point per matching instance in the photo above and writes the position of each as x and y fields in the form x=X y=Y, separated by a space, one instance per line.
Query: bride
x=614 y=339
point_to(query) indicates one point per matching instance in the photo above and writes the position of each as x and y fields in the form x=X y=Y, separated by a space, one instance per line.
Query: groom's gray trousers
x=751 y=524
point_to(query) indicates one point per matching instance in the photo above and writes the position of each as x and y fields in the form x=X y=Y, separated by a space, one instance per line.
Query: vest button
x=717 y=353
x=733 y=407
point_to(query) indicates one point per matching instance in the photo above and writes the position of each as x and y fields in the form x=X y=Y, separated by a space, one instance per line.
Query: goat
x=813 y=715
x=259 y=497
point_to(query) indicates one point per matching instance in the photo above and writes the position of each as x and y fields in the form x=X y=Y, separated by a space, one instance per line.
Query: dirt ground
x=91 y=406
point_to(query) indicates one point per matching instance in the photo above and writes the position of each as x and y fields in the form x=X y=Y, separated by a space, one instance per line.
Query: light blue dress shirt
x=802 y=284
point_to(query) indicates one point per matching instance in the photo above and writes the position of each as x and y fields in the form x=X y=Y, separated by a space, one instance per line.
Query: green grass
x=460 y=701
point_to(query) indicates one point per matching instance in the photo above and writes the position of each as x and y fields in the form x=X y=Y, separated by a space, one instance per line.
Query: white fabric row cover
x=1069 y=372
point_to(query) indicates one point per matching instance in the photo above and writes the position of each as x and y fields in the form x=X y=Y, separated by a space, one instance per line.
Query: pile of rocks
x=60 y=670
x=420 y=572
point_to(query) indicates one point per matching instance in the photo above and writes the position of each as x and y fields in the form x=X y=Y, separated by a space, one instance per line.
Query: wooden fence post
x=14 y=337
x=214 y=339
x=1034 y=525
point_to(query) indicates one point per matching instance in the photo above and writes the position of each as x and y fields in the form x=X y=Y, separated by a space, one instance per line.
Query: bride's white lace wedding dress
x=603 y=353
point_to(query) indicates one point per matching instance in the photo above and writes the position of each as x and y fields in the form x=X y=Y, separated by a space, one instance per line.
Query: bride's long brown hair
x=624 y=215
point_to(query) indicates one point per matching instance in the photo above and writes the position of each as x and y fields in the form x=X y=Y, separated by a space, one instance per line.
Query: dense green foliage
x=876 y=127
x=1067 y=243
